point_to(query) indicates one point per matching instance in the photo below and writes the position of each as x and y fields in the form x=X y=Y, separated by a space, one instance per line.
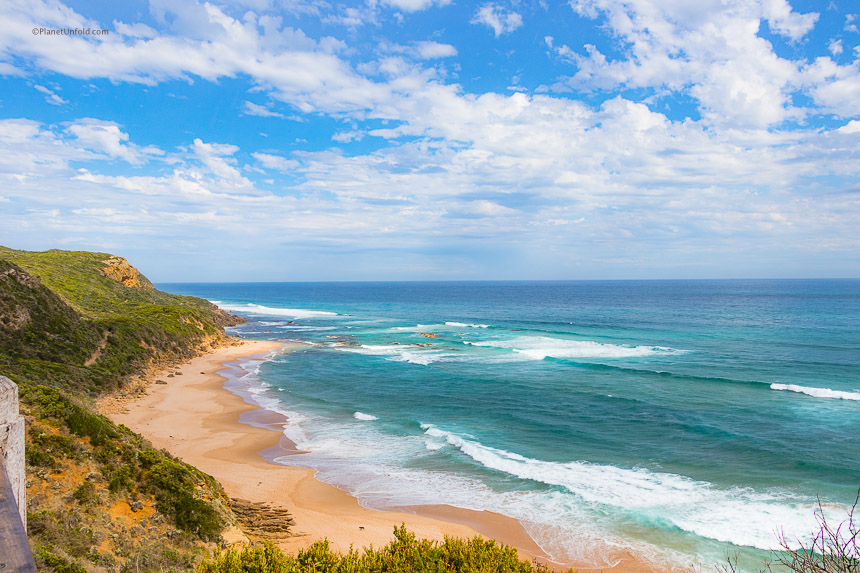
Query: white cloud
x=835 y=47
x=834 y=87
x=529 y=163
x=852 y=126
x=500 y=20
x=218 y=160
x=137 y=30
x=106 y=137
x=52 y=97
x=431 y=50
x=415 y=5
x=424 y=50
x=302 y=72
x=347 y=136
x=351 y=17
x=276 y=162
x=709 y=49
x=783 y=20
x=251 y=108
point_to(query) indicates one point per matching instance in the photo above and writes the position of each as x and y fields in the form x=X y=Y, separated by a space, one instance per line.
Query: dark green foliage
x=85 y=493
x=192 y=515
x=45 y=559
x=405 y=554
x=171 y=482
x=41 y=459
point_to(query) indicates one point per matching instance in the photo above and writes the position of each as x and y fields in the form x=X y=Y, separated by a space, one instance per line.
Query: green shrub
x=58 y=564
x=40 y=459
x=191 y=515
x=405 y=554
x=85 y=494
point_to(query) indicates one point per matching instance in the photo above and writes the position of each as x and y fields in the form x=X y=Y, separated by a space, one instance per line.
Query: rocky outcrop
x=261 y=521
x=14 y=316
x=120 y=270
x=223 y=318
x=20 y=276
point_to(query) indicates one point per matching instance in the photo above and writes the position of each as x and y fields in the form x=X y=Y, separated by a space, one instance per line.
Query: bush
x=192 y=515
x=85 y=493
x=405 y=554
x=40 y=459
x=57 y=563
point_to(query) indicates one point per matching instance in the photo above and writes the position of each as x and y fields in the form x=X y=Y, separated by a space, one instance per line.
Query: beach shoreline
x=199 y=420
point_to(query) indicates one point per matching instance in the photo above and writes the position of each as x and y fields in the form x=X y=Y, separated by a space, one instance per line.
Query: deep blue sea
x=678 y=419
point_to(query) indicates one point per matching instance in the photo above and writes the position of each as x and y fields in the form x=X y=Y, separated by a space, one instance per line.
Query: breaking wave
x=740 y=516
x=541 y=347
x=817 y=392
x=252 y=308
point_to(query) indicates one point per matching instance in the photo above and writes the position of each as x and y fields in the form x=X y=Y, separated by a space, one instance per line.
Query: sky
x=296 y=140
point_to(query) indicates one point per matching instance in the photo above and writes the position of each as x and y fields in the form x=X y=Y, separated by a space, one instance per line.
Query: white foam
x=416 y=327
x=737 y=515
x=465 y=325
x=364 y=417
x=541 y=347
x=368 y=463
x=817 y=392
x=398 y=352
x=252 y=308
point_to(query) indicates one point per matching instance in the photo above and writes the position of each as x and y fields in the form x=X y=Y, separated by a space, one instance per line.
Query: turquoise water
x=675 y=418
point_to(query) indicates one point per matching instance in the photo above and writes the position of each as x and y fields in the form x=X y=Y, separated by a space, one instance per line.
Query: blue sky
x=435 y=139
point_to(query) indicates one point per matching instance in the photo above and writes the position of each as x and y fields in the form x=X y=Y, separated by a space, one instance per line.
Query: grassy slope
x=100 y=498
x=83 y=310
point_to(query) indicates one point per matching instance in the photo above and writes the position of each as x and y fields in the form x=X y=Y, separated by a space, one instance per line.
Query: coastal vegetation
x=405 y=554
x=75 y=326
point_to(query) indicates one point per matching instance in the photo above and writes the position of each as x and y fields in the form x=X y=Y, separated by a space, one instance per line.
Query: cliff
x=74 y=326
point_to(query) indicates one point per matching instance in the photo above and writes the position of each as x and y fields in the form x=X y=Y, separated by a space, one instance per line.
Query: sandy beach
x=196 y=419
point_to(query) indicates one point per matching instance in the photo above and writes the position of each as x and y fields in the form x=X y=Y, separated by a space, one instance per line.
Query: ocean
x=676 y=419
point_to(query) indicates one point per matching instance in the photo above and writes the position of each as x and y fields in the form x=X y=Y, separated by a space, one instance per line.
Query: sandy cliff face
x=119 y=269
